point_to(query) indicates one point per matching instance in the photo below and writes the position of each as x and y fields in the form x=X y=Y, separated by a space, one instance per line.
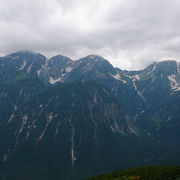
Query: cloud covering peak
x=130 y=34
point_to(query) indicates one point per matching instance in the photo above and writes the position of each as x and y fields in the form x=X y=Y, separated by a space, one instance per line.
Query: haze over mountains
x=72 y=119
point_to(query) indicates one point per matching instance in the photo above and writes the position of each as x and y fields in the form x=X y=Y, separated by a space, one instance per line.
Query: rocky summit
x=65 y=119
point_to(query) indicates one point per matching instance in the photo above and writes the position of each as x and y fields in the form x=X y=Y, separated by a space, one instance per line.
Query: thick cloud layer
x=129 y=33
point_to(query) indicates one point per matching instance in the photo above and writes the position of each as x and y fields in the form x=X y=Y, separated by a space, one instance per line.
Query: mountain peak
x=60 y=58
x=92 y=56
x=166 y=66
x=25 y=52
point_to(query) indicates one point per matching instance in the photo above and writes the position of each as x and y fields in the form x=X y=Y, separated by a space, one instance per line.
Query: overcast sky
x=129 y=33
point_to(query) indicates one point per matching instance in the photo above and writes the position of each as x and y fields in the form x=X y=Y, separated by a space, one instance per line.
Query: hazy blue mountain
x=158 y=81
x=72 y=119
x=56 y=69
x=61 y=69
x=94 y=67
x=25 y=61
x=70 y=128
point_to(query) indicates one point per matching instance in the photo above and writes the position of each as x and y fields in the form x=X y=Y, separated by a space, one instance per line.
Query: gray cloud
x=129 y=33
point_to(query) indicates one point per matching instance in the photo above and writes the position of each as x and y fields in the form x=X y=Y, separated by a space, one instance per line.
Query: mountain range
x=65 y=119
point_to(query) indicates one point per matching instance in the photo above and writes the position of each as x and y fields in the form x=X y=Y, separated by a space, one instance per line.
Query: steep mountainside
x=157 y=82
x=79 y=125
x=25 y=61
x=83 y=117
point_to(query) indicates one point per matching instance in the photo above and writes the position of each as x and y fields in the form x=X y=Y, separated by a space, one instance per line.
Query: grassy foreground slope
x=142 y=173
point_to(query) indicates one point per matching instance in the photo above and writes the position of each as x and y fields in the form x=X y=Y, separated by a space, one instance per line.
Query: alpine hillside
x=66 y=119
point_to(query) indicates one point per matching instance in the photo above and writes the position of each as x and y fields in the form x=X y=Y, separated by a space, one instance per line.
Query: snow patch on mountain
x=137 y=77
x=175 y=85
x=131 y=128
x=118 y=77
x=112 y=129
x=15 y=108
x=136 y=89
x=54 y=81
x=73 y=158
x=5 y=157
x=178 y=67
x=29 y=69
x=154 y=67
x=11 y=118
x=68 y=69
x=92 y=56
x=23 y=65
x=49 y=119
x=57 y=129
x=25 y=118
x=38 y=72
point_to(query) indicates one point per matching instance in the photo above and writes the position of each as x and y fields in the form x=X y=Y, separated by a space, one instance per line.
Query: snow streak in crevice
x=138 y=92
x=95 y=128
x=25 y=118
x=49 y=119
x=73 y=158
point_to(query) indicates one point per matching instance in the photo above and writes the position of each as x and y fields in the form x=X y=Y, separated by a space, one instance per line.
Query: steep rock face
x=158 y=81
x=92 y=67
x=69 y=124
x=25 y=62
x=13 y=94
x=126 y=118
x=163 y=118
x=56 y=69
x=138 y=91
x=60 y=66
x=59 y=69
x=96 y=68
x=50 y=71
x=162 y=124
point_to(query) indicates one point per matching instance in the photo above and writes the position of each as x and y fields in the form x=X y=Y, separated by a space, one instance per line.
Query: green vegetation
x=79 y=128
x=142 y=173
x=20 y=76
